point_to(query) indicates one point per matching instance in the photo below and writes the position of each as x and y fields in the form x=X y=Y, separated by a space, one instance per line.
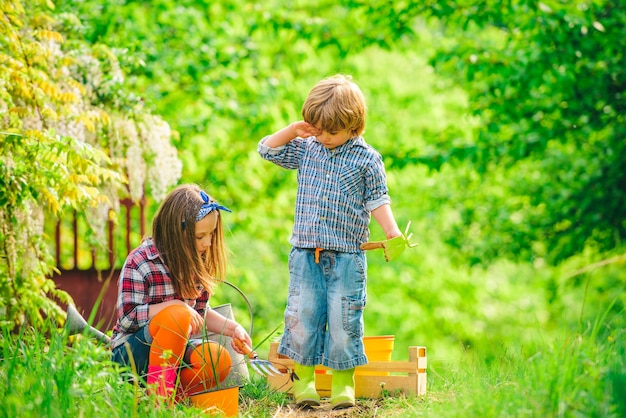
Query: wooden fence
x=88 y=275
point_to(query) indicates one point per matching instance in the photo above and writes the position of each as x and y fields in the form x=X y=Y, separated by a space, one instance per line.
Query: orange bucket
x=218 y=402
x=378 y=348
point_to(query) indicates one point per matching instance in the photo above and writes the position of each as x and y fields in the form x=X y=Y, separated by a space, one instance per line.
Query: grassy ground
x=581 y=374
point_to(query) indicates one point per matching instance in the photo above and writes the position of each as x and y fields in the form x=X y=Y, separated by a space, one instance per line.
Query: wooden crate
x=370 y=379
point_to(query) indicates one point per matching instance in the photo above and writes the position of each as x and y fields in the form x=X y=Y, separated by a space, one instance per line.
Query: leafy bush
x=72 y=139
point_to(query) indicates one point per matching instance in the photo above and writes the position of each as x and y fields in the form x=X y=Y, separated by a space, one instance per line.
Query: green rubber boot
x=304 y=388
x=342 y=392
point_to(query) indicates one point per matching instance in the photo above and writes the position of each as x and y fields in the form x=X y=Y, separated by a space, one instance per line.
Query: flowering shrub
x=71 y=138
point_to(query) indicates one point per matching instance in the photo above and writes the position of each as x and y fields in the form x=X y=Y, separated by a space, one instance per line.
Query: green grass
x=577 y=375
x=580 y=374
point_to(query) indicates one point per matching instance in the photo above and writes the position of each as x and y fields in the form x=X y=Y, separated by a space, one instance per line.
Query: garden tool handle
x=247 y=350
x=372 y=245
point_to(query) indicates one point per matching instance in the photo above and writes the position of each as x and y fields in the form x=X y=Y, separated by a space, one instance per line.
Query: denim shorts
x=135 y=352
x=324 y=314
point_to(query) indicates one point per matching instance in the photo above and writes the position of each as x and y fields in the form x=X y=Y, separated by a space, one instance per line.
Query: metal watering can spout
x=76 y=324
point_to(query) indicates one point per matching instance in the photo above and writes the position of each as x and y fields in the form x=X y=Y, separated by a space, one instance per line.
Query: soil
x=363 y=408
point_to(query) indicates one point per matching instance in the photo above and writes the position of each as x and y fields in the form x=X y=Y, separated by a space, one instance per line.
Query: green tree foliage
x=506 y=146
x=72 y=139
x=226 y=73
x=546 y=82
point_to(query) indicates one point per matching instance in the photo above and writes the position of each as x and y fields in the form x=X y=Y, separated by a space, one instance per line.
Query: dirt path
x=363 y=409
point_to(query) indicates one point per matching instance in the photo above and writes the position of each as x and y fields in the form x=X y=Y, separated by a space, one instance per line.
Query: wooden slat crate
x=370 y=379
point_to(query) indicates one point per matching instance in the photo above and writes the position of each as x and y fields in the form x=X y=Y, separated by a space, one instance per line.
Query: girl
x=163 y=293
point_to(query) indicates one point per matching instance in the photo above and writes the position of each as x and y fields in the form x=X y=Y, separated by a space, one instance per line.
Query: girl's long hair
x=173 y=232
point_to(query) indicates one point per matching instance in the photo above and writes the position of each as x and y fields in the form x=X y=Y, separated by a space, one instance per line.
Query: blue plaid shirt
x=337 y=190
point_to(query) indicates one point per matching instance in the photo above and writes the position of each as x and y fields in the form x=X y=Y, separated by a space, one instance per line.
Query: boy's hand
x=392 y=247
x=304 y=129
x=300 y=129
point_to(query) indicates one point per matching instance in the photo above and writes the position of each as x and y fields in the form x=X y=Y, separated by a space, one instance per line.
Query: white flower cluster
x=69 y=130
x=145 y=151
x=165 y=168
x=32 y=123
x=31 y=218
x=99 y=216
x=125 y=149
x=138 y=143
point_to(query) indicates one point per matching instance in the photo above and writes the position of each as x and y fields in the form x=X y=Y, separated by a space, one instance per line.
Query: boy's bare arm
x=291 y=131
x=387 y=222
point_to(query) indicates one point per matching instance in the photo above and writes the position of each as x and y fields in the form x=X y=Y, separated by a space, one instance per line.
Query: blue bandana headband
x=206 y=208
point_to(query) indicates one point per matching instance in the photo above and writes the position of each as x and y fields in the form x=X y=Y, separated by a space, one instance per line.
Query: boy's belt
x=317 y=251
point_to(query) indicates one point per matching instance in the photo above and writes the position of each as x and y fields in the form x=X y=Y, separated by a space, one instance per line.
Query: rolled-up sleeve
x=286 y=156
x=376 y=184
x=264 y=150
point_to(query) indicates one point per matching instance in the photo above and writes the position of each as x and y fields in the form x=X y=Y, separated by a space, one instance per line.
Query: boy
x=341 y=183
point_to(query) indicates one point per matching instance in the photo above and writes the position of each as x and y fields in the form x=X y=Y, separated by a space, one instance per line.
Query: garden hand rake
x=392 y=247
x=262 y=367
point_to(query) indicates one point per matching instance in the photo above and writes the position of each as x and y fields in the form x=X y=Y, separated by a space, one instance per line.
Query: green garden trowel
x=392 y=247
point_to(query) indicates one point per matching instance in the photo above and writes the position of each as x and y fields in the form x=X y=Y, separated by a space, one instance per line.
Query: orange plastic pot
x=377 y=348
x=219 y=402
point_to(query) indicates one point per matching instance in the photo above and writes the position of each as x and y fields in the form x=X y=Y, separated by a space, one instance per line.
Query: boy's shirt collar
x=350 y=143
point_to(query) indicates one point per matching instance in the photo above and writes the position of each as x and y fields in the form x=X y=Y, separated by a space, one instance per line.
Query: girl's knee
x=206 y=365
x=174 y=319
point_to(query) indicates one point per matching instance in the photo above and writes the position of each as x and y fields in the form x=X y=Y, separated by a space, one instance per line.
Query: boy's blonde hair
x=335 y=104
x=173 y=232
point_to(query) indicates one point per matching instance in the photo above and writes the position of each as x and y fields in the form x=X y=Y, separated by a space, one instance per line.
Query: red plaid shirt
x=144 y=280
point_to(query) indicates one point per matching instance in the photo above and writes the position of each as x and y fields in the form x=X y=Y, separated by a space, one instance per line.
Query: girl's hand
x=197 y=321
x=240 y=333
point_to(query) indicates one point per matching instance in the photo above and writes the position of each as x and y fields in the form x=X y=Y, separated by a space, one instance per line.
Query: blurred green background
x=501 y=126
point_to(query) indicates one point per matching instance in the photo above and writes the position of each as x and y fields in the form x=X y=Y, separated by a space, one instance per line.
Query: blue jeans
x=135 y=352
x=324 y=314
